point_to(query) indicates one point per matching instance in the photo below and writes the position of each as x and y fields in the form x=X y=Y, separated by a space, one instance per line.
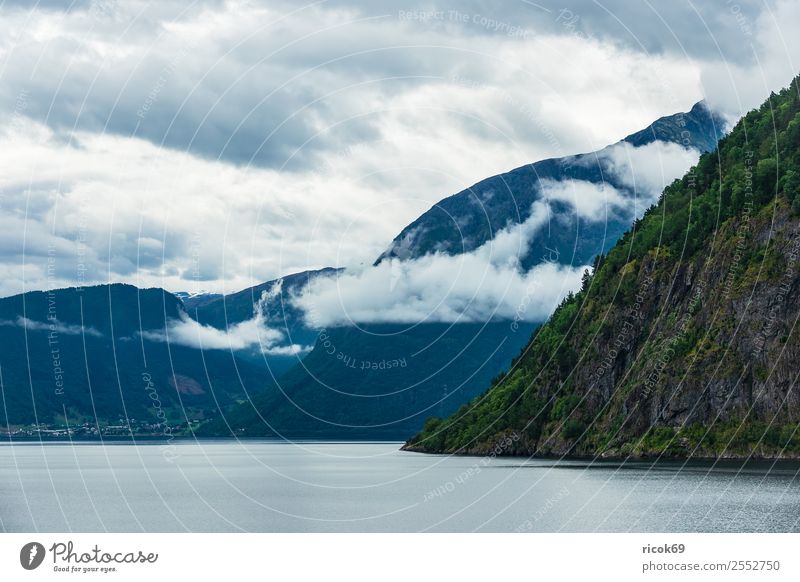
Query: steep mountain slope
x=448 y=365
x=685 y=340
x=79 y=353
x=465 y=221
x=380 y=386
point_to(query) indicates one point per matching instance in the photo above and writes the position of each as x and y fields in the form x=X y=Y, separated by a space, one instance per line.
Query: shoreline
x=153 y=439
x=596 y=459
x=615 y=458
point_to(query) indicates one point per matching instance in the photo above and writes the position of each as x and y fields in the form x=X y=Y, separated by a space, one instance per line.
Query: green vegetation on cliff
x=683 y=341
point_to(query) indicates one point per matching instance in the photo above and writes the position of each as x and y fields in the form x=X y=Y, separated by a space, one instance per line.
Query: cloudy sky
x=213 y=145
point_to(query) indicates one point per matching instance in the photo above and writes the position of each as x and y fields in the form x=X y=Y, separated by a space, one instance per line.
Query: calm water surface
x=334 y=487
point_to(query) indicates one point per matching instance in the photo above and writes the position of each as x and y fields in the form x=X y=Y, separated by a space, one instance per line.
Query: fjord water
x=270 y=486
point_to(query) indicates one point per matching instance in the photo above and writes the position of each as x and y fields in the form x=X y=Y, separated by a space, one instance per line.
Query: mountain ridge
x=699 y=128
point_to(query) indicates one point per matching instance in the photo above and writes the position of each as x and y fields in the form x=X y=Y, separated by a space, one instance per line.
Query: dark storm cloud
x=376 y=109
x=249 y=94
x=55 y=5
x=265 y=92
x=704 y=29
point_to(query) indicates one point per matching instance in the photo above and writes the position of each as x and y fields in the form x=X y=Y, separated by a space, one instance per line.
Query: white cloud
x=734 y=87
x=646 y=170
x=51 y=326
x=510 y=244
x=225 y=144
x=595 y=202
x=480 y=286
x=642 y=172
x=488 y=283
x=248 y=334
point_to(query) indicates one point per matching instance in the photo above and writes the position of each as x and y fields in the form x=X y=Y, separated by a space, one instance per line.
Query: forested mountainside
x=684 y=342
x=77 y=355
x=377 y=381
x=432 y=368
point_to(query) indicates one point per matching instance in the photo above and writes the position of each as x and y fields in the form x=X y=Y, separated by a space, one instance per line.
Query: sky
x=214 y=145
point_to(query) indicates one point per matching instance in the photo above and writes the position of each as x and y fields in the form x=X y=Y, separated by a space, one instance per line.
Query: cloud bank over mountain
x=252 y=334
x=489 y=283
x=219 y=144
x=480 y=286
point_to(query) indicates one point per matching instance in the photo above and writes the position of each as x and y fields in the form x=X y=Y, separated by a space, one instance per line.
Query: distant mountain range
x=684 y=342
x=369 y=381
x=83 y=355
x=377 y=381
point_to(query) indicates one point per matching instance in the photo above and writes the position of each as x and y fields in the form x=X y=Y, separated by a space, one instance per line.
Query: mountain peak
x=463 y=222
x=699 y=128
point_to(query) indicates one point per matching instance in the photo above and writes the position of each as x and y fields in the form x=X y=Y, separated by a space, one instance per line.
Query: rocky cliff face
x=685 y=340
x=702 y=359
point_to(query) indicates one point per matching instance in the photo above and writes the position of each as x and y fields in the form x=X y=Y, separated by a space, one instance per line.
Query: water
x=335 y=487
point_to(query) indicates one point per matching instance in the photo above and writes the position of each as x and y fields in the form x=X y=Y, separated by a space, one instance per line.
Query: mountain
x=377 y=381
x=273 y=301
x=94 y=354
x=684 y=342
x=225 y=310
x=465 y=221
x=99 y=354
x=194 y=300
x=347 y=386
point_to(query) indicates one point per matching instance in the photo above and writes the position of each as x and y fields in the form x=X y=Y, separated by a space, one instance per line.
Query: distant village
x=87 y=430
